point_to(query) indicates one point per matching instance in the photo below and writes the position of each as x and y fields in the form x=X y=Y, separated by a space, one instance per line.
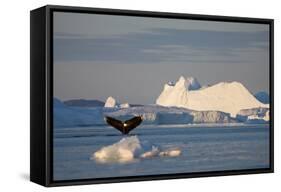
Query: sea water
x=202 y=148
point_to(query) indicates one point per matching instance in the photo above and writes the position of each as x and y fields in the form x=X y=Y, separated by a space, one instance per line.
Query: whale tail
x=124 y=126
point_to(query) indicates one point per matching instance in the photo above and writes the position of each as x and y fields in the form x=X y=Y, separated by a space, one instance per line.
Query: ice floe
x=130 y=149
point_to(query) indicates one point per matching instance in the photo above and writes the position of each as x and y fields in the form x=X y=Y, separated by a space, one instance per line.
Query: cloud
x=163 y=45
x=99 y=25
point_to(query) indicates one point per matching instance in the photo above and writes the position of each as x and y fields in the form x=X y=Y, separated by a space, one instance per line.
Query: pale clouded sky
x=130 y=58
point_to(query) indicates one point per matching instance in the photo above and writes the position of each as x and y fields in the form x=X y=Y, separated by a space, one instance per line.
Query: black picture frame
x=41 y=61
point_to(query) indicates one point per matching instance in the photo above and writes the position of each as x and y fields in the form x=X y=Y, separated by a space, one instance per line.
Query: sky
x=131 y=58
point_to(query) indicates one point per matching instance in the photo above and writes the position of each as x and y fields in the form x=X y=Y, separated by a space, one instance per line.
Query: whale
x=124 y=126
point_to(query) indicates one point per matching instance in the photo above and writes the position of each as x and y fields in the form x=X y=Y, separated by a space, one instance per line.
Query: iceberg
x=228 y=97
x=131 y=149
x=171 y=152
x=110 y=102
x=121 y=152
x=124 y=105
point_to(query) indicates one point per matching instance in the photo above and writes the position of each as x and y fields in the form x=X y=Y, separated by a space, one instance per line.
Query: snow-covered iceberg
x=124 y=105
x=130 y=149
x=228 y=97
x=110 y=102
x=121 y=152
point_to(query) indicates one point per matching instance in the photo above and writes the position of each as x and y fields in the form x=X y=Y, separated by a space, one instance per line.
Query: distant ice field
x=203 y=148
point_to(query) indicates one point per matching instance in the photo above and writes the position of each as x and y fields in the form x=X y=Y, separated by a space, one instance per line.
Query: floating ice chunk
x=110 y=102
x=154 y=152
x=130 y=149
x=171 y=152
x=120 y=152
x=124 y=105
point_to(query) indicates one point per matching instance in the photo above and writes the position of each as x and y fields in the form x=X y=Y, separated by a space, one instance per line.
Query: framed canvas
x=120 y=95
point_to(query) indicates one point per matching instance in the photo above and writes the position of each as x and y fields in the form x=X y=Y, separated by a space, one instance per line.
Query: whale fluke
x=124 y=126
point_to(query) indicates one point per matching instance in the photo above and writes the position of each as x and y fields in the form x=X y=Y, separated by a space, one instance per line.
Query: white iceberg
x=121 y=152
x=110 y=102
x=228 y=97
x=124 y=105
x=171 y=152
x=153 y=152
x=131 y=149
